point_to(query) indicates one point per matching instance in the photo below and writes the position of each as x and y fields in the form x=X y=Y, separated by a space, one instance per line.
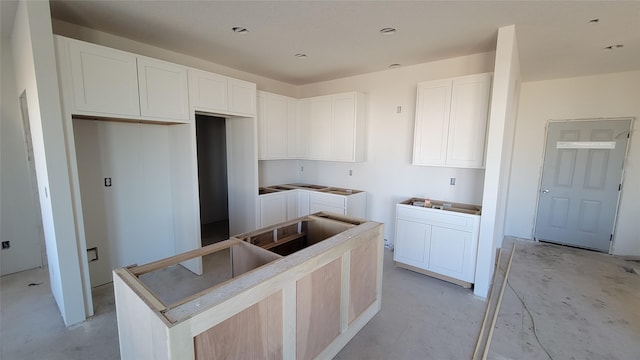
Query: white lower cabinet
x=273 y=208
x=437 y=242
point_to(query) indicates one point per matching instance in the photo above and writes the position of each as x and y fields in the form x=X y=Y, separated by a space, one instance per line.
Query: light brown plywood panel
x=254 y=333
x=363 y=284
x=318 y=310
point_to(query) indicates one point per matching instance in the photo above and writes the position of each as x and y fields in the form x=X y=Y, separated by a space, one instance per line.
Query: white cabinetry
x=278 y=137
x=113 y=83
x=353 y=204
x=451 y=121
x=437 y=242
x=278 y=207
x=221 y=94
x=163 y=89
x=336 y=127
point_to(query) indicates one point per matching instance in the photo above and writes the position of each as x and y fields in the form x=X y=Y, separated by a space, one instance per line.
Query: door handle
x=545 y=191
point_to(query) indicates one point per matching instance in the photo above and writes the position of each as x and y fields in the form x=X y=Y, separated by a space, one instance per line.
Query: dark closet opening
x=212 y=178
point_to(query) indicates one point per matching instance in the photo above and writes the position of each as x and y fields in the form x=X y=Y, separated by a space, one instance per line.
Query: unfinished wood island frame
x=306 y=304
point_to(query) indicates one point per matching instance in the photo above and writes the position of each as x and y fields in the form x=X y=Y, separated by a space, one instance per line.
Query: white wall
x=18 y=211
x=35 y=68
x=599 y=96
x=387 y=174
x=504 y=95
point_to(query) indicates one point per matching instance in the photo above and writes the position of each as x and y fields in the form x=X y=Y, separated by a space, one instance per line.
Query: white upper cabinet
x=163 y=89
x=337 y=127
x=451 y=121
x=104 y=80
x=272 y=126
x=113 y=83
x=221 y=94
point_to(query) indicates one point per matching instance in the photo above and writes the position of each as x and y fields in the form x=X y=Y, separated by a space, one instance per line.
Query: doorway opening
x=581 y=182
x=212 y=178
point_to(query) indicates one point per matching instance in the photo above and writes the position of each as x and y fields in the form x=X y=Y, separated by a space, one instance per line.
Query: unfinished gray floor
x=421 y=317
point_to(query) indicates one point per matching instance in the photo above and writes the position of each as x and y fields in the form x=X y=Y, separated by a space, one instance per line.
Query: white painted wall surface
x=599 y=96
x=387 y=174
x=18 y=217
x=504 y=95
x=35 y=68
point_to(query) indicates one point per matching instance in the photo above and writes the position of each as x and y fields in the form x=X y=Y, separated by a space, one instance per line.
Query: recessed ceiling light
x=394 y=66
x=240 y=30
x=594 y=21
x=301 y=56
x=387 y=31
x=614 y=47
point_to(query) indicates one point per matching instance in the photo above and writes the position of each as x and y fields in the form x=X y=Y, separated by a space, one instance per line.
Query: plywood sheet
x=254 y=333
x=318 y=310
x=363 y=274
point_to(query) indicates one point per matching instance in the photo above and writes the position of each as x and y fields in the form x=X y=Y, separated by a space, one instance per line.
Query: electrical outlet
x=301 y=168
x=6 y=245
x=107 y=182
x=452 y=181
x=398 y=109
x=350 y=172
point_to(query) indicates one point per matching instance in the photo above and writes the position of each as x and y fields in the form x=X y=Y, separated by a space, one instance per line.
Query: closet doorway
x=212 y=178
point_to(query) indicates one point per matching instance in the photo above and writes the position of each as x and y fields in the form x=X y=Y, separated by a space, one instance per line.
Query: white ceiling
x=341 y=38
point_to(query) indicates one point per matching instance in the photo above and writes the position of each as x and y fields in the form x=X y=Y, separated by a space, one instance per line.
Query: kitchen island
x=297 y=290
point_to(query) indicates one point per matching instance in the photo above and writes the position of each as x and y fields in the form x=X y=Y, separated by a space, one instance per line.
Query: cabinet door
x=292 y=204
x=344 y=127
x=208 y=91
x=261 y=120
x=295 y=137
x=163 y=88
x=432 y=123
x=450 y=253
x=242 y=97
x=273 y=209
x=412 y=243
x=104 y=80
x=320 y=128
x=468 y=121
x=276 y=126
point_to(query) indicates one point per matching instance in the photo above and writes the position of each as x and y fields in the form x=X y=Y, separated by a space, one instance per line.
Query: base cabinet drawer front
x=327 y=199
x=450 y=252
x=316 y=207
x=412 y=243
x=437 y=217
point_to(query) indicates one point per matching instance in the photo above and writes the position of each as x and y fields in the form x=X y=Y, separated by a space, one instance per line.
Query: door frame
x=544 y=153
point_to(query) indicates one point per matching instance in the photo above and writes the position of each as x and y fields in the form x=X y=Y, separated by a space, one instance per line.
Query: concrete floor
x=584 y=304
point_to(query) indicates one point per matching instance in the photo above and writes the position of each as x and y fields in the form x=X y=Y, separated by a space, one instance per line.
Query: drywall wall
x=212 y=168
x=600 y=96
x=387 y=174
x=117 y=42
x=504 y=96
x=35 y=69
x=18 y=211
x=130 y=221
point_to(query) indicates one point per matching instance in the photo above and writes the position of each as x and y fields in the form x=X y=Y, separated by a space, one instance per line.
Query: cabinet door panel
x=344 y=127
x=261 y=120
x=412 y=243
x=468 y=121
x=295 y=135
x=163 y=89
x=242 y=97
x=320 y=128
x=208 y=91
x=273 y=209
x=104 y=80
x=276 y=126
x=432 y=123
x=449 y=253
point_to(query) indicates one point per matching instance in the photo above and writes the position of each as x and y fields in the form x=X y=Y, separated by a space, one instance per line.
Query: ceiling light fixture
x=394 y=66
x=614 y=47
x=387 y=31
x=301 y=56
x=594 y=21
x=240 y=30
